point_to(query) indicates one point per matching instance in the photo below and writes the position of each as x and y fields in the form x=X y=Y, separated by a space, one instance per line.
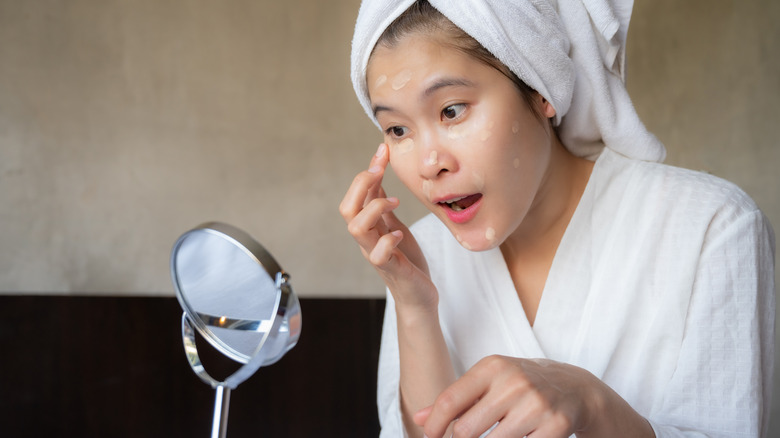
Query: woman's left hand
x=525 y=397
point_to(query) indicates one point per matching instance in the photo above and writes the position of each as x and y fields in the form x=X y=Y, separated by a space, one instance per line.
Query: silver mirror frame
x=285 y=302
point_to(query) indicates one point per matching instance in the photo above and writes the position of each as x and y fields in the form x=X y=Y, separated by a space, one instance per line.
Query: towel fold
x=571 y=51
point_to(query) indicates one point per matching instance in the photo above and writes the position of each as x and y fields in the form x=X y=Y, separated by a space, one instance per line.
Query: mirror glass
x=234 y=293
x=238 y=298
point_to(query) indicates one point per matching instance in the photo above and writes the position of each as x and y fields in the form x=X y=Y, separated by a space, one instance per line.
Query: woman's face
x=461 y=137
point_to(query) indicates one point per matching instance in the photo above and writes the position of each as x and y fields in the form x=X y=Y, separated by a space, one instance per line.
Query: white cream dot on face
x=486 y=133
x=516 y=163
x=456 y=132
x=515 y=127
x=479 y=180
x=433 y=159
x=401 y=79
x=462 y=243
x=380 y=81
x=490 y=234
x=405 y=146
x=426 y=188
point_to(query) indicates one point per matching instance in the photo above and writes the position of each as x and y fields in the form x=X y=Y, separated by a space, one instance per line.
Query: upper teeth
x=455 y=200
x=453 y=205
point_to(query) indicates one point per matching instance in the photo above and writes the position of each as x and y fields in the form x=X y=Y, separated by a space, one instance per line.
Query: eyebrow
x=436 y=86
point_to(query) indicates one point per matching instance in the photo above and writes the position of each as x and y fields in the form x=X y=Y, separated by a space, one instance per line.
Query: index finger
x=454 y=401
x=379 y=164
x=364 y=188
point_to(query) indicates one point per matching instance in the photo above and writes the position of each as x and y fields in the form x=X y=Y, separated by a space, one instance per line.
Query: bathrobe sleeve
x=722 y=384
x=388 y=377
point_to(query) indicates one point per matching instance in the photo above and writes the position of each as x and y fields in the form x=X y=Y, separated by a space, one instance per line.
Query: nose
x=435 y=158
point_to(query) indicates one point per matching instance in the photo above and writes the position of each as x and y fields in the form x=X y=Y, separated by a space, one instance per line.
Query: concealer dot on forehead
x=433 y=159
x=515 y=127
x=516 y=163
x=401 y=79
x=380 y=81
x=404 y=146
x=479 y=180
x=490 y=234
x=426 y=188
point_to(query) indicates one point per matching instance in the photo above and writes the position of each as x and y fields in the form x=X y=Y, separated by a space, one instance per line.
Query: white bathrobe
x=662 y=287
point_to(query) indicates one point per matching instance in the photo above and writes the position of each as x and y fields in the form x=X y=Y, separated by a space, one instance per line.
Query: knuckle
x=377 y=258
x=345 y=213
x=494 y=363
x=354 y=228
x=463 y=427
x=562 y=422
x=447 y=401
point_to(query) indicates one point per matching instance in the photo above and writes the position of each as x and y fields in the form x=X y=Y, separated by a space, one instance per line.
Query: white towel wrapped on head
x=571 y=51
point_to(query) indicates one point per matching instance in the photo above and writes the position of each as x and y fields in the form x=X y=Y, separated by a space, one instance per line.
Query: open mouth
x=461 y=203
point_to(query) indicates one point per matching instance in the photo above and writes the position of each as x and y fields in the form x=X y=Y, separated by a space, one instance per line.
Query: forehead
x=421 y=56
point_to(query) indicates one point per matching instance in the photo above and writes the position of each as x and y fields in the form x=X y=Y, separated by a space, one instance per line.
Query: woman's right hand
x=384 y=240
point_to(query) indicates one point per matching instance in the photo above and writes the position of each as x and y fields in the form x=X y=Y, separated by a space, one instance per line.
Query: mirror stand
x=237 y=298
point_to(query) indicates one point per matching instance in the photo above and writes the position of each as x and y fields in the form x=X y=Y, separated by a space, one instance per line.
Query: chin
x=475 y=243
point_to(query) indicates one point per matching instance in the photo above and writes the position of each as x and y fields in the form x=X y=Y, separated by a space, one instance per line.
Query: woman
x=565 y=283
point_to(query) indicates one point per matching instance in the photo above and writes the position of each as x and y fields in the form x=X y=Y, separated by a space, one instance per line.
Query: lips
x=461 y=209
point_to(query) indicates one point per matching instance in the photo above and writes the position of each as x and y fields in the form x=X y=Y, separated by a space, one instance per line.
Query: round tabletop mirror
x=238 y=298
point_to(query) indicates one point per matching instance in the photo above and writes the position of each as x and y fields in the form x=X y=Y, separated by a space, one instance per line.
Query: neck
x=543 y=227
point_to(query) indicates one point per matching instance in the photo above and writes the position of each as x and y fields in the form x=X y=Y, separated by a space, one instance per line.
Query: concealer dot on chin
x=490 y=234
x=401 y=79
x=462 y=243
x=516 y=163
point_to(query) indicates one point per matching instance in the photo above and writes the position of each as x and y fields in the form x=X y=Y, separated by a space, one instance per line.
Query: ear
x=546 y=107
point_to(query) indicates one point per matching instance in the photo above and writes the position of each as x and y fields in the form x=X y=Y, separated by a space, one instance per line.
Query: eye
x=396 y=131
x=452 y=112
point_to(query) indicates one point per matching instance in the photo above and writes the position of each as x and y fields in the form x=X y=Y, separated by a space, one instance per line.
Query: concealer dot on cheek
x=456 y=132
x=405 y=146
x=426 y=188
x=516 y=163
x=515 y=127
x=433 y=159
x=479 y=180
x=486 y=133
x=401 y=79
x=490 y=234
x=380 y=81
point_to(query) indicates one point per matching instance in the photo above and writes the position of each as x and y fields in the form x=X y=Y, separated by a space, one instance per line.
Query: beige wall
x=124 y=123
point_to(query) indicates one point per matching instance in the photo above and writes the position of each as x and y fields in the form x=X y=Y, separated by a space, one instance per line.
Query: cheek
x=402 y=161
x=402 y=148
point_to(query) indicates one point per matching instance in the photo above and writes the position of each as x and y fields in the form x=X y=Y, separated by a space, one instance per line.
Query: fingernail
x=393 y=199
x=397 y=233
x=375 y=169
x=381 y=150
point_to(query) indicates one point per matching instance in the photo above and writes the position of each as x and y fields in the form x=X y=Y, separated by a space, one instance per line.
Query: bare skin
x=461 y=138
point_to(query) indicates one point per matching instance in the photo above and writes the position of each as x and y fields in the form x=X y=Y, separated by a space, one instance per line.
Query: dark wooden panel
x=110 y=366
